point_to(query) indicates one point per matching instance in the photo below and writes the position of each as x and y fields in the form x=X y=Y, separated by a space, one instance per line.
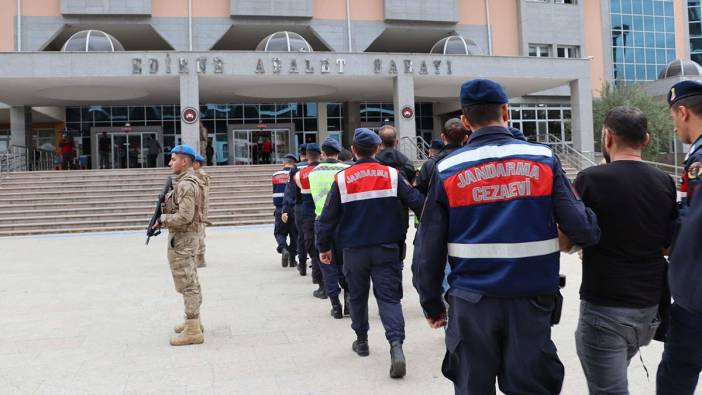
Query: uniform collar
x=694 y=147
x=188 y=171
x=367 y=160
x=489 y=131
x=330 y=161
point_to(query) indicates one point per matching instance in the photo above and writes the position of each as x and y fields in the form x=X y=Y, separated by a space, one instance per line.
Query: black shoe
x=336 y=308
x=291 y=260
x=285 y=258
x=360 y=347
x=398 y=366
x=302 y=268
x=346 y=303
x=320 y=293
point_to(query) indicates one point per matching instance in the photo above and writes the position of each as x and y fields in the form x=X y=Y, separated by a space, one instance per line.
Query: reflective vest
x=280 y=181
x=372 y=213
x=502 y=235
x=321 y=180
x=302 y=181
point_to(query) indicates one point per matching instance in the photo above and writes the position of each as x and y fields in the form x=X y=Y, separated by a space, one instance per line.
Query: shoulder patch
x=693 y=172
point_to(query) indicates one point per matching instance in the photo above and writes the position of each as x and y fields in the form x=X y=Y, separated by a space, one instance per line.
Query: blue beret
x=184 y=149
x=331 y=143
x=365 y=138
x=314 y=147
x=303 y=147
x=684 y=89
x=437 y=144
x=482 y=92
x=199 y=158
x=290 y=156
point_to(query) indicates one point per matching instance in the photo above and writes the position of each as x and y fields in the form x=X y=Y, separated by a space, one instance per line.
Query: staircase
x=115 y=200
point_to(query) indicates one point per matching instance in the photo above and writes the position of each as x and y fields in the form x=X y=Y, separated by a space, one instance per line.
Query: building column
x=352 y=121
x=190 y=97
x=581 y=111
x=322 y=126
x=21 y=126
x=403 y=86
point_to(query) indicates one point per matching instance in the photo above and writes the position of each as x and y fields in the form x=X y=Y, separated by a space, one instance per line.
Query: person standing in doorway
x=266 y=149
x=104 y=148
x=154 y=151
x=66 y=149
x=210 y=153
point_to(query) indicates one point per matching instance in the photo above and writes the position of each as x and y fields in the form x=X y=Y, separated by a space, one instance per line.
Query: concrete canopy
x=49 y=79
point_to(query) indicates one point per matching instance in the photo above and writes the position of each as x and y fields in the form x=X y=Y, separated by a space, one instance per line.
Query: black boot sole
x=285 y=259
x=361 y=353
x=398 y=369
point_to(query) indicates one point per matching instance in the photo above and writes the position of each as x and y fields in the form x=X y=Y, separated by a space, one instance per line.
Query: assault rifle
x=150 y=231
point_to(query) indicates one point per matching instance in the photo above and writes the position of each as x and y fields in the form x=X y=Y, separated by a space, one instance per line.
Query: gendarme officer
x=494 y=207
x=181 y=216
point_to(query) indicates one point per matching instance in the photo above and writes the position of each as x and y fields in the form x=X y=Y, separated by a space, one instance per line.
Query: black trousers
x=282 y=230
x=311 y=247
x=681 y=365
x=507 y=339
x=301 y=249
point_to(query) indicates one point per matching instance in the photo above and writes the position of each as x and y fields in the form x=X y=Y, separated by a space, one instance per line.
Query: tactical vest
x=280 y=180
x=372 y=214
x=502 y=235
x=171 y=204
x=301 y=178
x=321 y=180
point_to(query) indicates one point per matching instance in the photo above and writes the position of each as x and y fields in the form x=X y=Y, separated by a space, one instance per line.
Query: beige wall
x=329 y=9
x=594 y=43
x=680 y=30
x=7 y=25
x=504 y=18
x=173 y=8
x=41 y=7
x=472 y=12
x=366 y=10
x=210 y=8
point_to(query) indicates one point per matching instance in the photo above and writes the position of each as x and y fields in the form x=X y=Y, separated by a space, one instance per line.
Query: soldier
x=181 y=216
x=321 y=180
x=205 y=178
x=282 y=228
x=365 y=205
x=292 y=204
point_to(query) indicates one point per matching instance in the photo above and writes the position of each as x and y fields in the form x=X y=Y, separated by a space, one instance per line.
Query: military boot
x=336 y=307
x=360 y=346
x=398 y=366
x=191 y=334
x=302 y=268
x=320 y=292
x=292 y=261
x=180 y=327
x=285 y=258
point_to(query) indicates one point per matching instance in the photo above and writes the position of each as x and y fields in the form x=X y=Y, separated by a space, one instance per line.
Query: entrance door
x=131 y=150
x=242 y=147
x=260 y=146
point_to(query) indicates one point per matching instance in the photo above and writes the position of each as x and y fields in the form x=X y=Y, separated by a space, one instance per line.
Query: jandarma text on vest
x=492 y=170
x=366 y=173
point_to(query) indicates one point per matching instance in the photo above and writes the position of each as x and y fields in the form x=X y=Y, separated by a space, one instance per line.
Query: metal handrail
x=21 y=158
x=567 y=153
x=672 y=170
x=415 y=148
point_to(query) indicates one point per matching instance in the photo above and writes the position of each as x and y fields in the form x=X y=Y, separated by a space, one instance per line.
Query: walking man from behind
x=181 y=216
x=292 y=204
x=283 y=229
x=624 y=274
x=365 y=204
x=495 y=207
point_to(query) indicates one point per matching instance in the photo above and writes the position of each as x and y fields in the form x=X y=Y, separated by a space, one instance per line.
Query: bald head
x=388 y=136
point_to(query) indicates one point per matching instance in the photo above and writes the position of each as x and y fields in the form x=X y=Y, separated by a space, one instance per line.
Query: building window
x=4 y=139
x=694 y=16
x=573 y=2
x=643 y=38
x=538 y=121
x=568 y=51
x=540 y=50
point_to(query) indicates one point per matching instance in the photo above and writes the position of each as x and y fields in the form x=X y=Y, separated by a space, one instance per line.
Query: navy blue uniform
x=365 y=204
x=681 y=365
x=692 y=175
x=493 y=209
x=292 y=205
x=281 y=229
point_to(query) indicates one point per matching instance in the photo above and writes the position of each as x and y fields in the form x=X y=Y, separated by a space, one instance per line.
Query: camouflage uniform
x=205 y=178
x=182 y=216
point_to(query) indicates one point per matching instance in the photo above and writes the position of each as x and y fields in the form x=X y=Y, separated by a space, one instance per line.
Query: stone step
x=117 y=187
x=17 y=227
x=117 y=228
x=124 y=193
x=141 y=200
x=265 y=169
x=127 y=180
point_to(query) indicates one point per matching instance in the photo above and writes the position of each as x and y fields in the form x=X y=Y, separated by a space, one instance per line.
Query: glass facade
x=538 y=120
x=643 y=38
x=694 y=16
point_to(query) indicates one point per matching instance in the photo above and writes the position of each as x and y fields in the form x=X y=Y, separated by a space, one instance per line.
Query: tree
x=660 y=126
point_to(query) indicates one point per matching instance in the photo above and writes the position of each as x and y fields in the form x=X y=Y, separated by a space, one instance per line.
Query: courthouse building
x=114 y=74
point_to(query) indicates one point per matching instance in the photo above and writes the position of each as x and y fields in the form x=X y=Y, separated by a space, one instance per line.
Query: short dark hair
x=628 y=125
x=483 y=114
x=692 y=103
x=329 y=151
x=388 y=135
x=313 y=155
x=364 y=152
x=345 y=155
x=303 y=150
x=454 y=131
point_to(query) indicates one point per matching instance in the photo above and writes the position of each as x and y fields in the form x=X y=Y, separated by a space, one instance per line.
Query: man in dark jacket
x=454 y=136
x=390 y=156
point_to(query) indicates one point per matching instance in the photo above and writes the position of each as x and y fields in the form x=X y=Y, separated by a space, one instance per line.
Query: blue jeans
x=607 y=338
x=680 y=368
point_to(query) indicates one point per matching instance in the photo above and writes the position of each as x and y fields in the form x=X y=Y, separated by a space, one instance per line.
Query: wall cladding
x=422 y=10
x=106 y=7
x=553 y=24
x=279 y=8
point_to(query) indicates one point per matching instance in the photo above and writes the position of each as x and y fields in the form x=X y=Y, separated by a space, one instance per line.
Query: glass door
x=281 y=144
x=135 y=148
x=242 y=147
x=119 y=151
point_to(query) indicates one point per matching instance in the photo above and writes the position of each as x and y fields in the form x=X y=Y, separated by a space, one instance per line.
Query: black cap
x=684 y=89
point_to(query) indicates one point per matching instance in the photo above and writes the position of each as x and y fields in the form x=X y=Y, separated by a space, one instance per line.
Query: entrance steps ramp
x=54 y=202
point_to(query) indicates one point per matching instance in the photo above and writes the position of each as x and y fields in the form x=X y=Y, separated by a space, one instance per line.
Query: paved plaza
x=92 y=314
